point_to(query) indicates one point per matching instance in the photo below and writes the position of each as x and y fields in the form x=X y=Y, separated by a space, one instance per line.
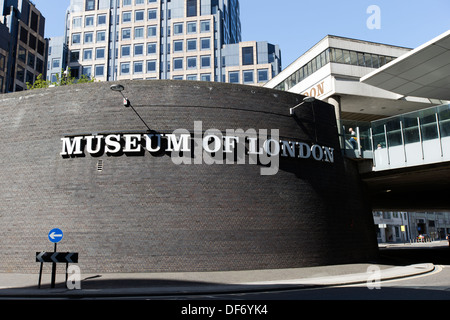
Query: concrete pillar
x=336 y=102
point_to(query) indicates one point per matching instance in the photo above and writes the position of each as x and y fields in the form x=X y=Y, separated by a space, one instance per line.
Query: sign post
x=55 y=236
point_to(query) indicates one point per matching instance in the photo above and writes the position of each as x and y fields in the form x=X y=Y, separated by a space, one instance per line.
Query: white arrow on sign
x=39 y=257
x=54 y=235
x=68 y=257
x=53 y=257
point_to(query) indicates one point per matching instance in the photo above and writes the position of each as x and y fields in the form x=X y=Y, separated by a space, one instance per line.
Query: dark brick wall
x=146 y=214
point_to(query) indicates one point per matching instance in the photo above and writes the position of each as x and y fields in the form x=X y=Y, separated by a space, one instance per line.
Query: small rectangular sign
x=57 y=257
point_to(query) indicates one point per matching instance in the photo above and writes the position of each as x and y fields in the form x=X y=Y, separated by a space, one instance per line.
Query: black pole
x=40 y=276
x=53 y=271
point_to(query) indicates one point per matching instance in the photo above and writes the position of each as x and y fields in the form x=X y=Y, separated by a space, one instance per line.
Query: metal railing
x=414 y=138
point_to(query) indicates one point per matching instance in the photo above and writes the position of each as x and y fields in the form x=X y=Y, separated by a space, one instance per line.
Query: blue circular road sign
x=55 y=235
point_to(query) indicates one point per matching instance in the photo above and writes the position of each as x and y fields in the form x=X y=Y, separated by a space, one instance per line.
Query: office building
x=27 y=47
x=397 y=101
x=57 y=58
x=178 y=39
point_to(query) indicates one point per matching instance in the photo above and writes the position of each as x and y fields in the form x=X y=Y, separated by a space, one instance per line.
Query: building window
x=76 y=22
x=99 y=70
x=192 y=27
x=151 y=1
x=23 y=35
x=192 y=77
x=151 y=48
x=138 y=67
x=89 y=22
x=263 y=75
x=138 y=49
x=205 y=77
x=76 y=38
x=125 y=51
x=101 y=19
x=192 y=45
x=125 y=68
x=151 y=31
x=74 y=56
x=139 y=15
x=178 y=64
x=248 y=76
x=178 y=28
x=126 y=17
x=139 y=2
x=178 y=46
x=22 y=54
x=151 y=66
x=126 y=3
x=233 y=77
x=247 y=56
x=87 y=71
x=191 y=8
x=88 y=37
x=139 y=32
x=100 y=53
x=126 y=33
x=90 y=5
x=152 y=14
x=205 y=26
x=205 y=43
x=31 y=60
x=20 y=74
x=205 y=61
x=56 y=63
x=101 y=36
x=191 y=62
x=87 y=54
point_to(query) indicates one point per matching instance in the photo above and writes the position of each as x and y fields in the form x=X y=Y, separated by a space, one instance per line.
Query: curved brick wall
x=146 y=214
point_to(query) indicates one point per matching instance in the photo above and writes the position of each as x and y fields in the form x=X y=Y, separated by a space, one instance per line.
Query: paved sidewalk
x=157 y=284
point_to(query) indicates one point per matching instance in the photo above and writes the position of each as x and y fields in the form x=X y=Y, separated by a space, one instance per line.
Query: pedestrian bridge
x=404 y=160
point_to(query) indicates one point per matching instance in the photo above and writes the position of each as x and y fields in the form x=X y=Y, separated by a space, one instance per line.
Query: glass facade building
x=23 y=53
x=162 y=39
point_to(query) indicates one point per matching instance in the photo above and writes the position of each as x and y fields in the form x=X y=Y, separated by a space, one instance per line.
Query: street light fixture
x=305 y=100
x=126 y=102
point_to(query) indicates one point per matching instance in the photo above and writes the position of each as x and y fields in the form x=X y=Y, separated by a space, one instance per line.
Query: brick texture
x=146 y=214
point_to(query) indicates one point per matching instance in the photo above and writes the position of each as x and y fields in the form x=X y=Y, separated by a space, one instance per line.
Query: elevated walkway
x=412 y=139
x=404 y=161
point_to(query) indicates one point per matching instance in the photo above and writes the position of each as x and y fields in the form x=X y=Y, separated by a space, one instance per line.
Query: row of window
x=24 y=75
x=191 y=63
x=126 y=34
x=32 y=41
x=140 y=49
x=89 y=21
x=335 y=55
x=90 y=5
x=30 y=59
x=191 y=27
x=248 y=76
x=136 y=2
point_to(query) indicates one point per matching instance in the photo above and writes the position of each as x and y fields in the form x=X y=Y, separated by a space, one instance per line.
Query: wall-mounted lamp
x=305 y=100
x=126 y=102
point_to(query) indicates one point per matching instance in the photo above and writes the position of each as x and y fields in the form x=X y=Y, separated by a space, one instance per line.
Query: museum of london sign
x=209 y=147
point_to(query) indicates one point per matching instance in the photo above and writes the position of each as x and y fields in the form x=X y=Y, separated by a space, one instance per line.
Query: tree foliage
x=64 y=80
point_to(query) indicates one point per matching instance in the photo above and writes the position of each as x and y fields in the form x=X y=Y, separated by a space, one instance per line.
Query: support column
x=336 y=102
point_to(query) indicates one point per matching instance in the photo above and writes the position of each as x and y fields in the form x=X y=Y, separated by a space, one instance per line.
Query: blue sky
x=296 y=25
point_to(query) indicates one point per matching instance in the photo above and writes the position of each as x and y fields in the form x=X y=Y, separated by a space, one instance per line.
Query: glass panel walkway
x=410 y=139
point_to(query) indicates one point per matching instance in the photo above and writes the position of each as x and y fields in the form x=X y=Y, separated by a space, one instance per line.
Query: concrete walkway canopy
x=422 y=72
